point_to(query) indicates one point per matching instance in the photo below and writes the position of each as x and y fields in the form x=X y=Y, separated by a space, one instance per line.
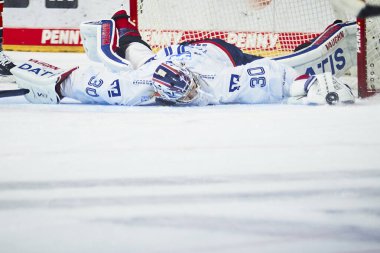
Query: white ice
x=226 y=179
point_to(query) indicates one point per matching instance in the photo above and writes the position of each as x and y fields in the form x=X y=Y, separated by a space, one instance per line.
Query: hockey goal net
x=262 y=27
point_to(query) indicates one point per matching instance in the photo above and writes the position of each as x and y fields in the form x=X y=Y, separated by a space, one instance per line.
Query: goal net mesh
x=262 y=27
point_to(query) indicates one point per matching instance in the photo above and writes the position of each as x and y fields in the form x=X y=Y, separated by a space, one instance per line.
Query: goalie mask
x=175 y=83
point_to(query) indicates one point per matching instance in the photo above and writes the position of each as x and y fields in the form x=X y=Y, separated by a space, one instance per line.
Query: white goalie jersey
x=261 y=81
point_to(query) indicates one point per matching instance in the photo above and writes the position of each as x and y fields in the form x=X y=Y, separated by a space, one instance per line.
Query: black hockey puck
x=332 y=98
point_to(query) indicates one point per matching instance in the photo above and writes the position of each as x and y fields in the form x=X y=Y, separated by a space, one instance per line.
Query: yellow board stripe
x=29 y=48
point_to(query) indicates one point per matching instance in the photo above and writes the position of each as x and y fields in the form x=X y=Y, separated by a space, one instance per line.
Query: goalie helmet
x=175 y=83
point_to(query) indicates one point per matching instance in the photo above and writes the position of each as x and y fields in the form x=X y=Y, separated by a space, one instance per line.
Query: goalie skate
x=5 y=68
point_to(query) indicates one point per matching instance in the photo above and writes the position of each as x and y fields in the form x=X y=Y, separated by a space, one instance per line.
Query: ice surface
x=237 y=178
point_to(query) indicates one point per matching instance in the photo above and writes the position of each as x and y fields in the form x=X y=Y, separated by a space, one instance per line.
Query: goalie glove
x=320 y=89
x=176 y=84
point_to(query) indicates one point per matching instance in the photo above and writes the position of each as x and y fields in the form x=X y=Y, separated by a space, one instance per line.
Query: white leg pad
x=40 y=79
x=98 y=38
x=333 y=51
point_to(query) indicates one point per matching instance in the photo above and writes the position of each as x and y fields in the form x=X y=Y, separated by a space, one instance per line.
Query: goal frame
x=364 y=89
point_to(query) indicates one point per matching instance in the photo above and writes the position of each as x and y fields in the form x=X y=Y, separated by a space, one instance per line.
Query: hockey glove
x=320 y=89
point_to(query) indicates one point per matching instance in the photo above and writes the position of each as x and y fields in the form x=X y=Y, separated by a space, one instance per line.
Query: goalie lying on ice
x=207 y=72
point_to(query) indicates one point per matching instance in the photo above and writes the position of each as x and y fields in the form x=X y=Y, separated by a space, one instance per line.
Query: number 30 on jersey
x=257 y=79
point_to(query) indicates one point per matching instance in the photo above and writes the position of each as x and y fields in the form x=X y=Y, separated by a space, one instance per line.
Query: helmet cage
x=175 y=83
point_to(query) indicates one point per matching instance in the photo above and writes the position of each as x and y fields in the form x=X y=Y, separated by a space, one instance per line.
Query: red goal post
x=368 y=66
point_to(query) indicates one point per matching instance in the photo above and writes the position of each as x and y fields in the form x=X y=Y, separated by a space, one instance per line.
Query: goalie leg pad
x=98 y=41
x=41 y=79
x=333 y=51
